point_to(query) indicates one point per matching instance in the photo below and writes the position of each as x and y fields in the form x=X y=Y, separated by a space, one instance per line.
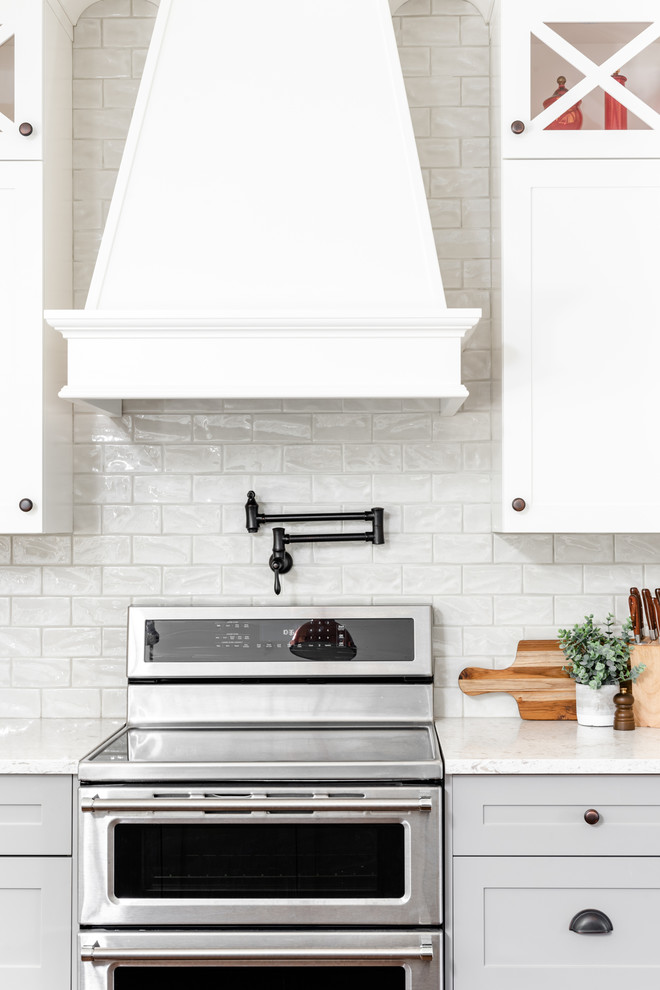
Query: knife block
x=646 y=689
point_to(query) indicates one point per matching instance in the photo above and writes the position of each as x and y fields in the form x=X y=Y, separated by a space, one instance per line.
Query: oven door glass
x=246 y=860
x=260 y=978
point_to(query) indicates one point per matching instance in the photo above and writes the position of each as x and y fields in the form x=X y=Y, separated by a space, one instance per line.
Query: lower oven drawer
x=264 y=960
x=324 y=856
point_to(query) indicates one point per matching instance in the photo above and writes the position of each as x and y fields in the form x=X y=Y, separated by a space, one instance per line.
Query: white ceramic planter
x=595 y=707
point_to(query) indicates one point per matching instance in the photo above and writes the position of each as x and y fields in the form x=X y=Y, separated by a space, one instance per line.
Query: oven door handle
x=95 y=953
x=95 y=804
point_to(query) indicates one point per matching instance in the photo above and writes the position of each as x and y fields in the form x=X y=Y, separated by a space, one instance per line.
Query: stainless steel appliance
x=274 y=802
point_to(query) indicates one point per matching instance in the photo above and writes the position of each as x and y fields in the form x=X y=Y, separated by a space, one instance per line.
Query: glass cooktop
x=274 y=753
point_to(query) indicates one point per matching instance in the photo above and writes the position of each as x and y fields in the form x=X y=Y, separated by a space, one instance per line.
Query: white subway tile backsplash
x=522 y=548
x=584 y=548
x=571 y=609
x=406 y=488
x=131 y=519
x=170 y=488
x=38 y=672
x=402 y=427
x=161 y=549
x=77 y=641
x=113 y=703
x=20 y=580
x=41 y=611
x=42 y=549
x=637 y=548
x=71 y=703
x=166 y=428
x=309 y=458
x=462 y=548
x=100 y=611
x=17 y=642
x=98 y=673
x=257 y=458
x=431 y=579
x=132 y=458
x=142 y=580
x=196 y=518
x=282 y=428
x=20 y=703
x=556 y=579
x=601 y=578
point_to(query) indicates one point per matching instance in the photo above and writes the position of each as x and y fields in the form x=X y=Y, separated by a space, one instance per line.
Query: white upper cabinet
x=35 y=265
x=21 y=79
x=608 y=53
x=580 y=263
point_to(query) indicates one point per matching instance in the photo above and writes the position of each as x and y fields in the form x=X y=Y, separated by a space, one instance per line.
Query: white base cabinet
x=35 y=923
x=529 y=854
x=512 y=917
x=35 y=882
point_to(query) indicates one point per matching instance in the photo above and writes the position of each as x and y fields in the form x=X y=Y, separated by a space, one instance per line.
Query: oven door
x=281 y=960
x=232 y=856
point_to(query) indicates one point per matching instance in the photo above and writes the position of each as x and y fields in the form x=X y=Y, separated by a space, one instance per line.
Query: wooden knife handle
x=640 y=611
x=650 y=613
x=635 y=616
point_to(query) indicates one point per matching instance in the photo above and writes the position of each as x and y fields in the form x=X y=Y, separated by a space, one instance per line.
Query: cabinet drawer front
x=512 y=917
x=35 y=923
x=35 y=816
x=541 y=816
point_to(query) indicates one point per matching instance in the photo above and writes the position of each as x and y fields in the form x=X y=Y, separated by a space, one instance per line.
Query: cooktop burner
x=278 y=753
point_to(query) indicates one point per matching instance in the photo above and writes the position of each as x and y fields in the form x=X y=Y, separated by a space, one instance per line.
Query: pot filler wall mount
x=280 y=561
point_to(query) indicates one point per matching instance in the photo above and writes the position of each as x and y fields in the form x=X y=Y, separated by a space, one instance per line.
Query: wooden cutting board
x=646 y=689
x=535 y=679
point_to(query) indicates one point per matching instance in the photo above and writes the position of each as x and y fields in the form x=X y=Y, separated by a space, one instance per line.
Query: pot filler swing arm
x=280 y=561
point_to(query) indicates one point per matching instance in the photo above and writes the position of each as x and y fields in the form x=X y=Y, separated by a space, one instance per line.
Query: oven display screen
x=278 y=641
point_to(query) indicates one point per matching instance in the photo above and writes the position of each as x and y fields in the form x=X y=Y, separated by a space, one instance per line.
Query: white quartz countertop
x=50 y=745
x=514 y=745
x=469 y=746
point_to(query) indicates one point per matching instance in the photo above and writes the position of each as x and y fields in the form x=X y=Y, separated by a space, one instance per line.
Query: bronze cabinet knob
x=25 y=128
x=26 y=504
x=519 y=504
x=591 y=817
x=517 y=127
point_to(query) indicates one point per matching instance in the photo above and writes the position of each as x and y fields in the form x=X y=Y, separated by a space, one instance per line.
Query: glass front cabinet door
x=580 y=79
x=21 y=44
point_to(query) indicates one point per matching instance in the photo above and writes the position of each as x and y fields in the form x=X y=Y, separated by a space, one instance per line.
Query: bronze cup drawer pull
x=591 y=922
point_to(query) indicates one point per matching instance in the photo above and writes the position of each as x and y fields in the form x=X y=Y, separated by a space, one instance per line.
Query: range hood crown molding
x=269 y=232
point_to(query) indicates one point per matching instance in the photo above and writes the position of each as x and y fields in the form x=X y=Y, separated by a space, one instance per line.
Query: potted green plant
x=598 y=661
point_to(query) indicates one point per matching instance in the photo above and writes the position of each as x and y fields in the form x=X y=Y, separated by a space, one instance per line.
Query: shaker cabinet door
x=513 y=915
x=35 y=923
x=21 y=336
x=580 y=347
x=21 y=83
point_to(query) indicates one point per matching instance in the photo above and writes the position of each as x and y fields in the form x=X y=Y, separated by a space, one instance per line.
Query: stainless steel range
x=273 y=804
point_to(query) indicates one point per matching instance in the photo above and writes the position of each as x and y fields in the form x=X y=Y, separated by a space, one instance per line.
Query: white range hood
x=269 y=233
